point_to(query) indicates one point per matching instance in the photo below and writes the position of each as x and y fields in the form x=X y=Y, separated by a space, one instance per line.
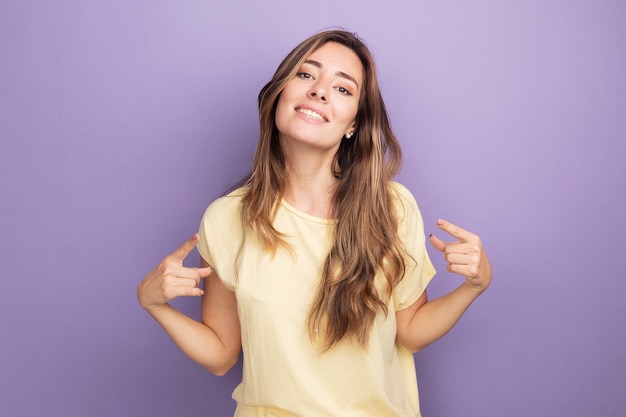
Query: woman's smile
x=311 y=114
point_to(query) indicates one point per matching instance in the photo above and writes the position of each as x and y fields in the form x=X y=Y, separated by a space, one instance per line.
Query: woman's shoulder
x=401 y=194
x=227 y=205
x=407 y=209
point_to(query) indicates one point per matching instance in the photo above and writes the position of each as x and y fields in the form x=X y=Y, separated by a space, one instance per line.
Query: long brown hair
x=365 y=235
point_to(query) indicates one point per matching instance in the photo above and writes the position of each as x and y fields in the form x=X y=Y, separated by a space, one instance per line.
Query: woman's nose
x=318 y=92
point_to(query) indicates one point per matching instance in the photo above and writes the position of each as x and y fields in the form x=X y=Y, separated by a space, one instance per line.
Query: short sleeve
x=419 y=268
x=221 y=235
x=204 y=232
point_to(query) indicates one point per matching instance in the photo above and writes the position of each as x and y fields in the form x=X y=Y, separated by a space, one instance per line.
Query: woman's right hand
x=170 y=279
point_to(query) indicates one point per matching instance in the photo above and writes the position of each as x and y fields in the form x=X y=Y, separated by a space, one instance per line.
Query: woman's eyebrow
x=338 y=73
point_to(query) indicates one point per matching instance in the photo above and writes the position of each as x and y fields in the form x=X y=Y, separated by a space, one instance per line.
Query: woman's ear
x=352 y=128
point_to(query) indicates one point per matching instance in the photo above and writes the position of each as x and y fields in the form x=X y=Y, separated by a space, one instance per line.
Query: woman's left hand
x=466 y=256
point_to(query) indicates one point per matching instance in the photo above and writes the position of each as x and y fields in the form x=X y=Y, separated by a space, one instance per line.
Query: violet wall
x=121 y=120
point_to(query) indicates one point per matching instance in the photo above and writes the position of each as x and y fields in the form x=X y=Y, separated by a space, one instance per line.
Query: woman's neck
x=310 y=188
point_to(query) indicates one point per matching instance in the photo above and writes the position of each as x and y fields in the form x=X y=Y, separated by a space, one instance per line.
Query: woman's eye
x=304 y=75
x=343 y=90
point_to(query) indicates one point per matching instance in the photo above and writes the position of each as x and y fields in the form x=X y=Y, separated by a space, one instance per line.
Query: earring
x=349 y=135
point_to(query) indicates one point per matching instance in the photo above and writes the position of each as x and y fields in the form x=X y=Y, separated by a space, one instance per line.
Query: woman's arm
x=215 y=342
x=426 y=321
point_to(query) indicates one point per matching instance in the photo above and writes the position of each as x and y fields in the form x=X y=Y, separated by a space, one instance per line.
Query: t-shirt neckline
x=304 y=215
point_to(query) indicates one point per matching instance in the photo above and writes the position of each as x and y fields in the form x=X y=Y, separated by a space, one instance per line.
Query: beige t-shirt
x=283 y=373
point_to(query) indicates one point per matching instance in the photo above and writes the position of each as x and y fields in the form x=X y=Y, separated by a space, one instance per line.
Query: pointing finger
x=454 y=230
x=181 y=253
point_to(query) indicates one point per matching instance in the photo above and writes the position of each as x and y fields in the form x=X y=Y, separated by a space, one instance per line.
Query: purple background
x=120 y=121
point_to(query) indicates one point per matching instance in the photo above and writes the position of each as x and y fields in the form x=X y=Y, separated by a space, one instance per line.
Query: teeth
x=311 y=114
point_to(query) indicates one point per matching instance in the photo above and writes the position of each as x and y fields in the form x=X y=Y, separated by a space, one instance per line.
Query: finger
x=437 y=243
x=184 y=282
x=454 y=230
x=185 y=291
x=181 y=253
x=459 y=259
x=462 y=247
x=177 y=287
x=204 y=272
x=469 y=271
x=194 y=273
x=201 y=273
x=192 y=292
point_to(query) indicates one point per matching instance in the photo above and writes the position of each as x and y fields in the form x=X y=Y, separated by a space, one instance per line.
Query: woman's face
x=319 y=105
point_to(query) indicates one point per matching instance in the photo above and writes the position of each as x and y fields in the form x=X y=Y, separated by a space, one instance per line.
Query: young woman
x=316 y=266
